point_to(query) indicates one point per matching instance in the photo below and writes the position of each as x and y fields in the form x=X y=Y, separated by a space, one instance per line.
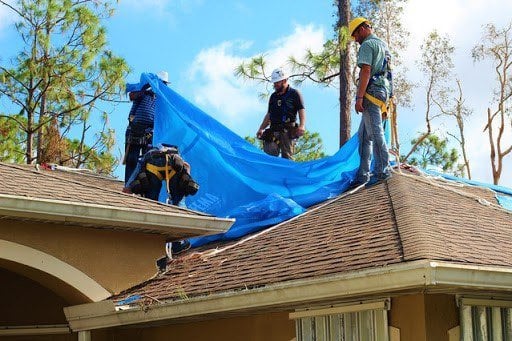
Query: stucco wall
x=115 y=259
x=408 y=314
x=424 y=317
x=441 y=315
x=265 y=327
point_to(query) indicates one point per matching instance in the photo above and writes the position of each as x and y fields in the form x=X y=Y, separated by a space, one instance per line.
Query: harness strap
x=157 y=171
x=381 y=104
x=168 y=174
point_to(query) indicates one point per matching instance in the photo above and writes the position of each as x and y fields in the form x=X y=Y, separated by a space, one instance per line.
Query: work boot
x=180 y=247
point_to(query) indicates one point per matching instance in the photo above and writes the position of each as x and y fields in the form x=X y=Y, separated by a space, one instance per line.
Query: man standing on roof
x=283 y=106
x=139 y=134
x=373 y=91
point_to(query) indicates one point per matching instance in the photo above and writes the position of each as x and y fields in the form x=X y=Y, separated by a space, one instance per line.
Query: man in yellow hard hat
x=373 y=91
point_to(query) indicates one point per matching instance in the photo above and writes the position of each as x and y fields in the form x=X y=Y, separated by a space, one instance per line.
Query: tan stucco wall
x=115 y=259
x=441 y=316
x=265 y=327
x=408 y=314
x=423 y=317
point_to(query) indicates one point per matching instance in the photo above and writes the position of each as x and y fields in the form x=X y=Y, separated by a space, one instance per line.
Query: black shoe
x=375 y=180
x=179 y=247
x=355 y=184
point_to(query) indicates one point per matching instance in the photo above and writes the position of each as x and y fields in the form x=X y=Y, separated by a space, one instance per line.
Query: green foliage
x=308 y=147
x=11 y=141
x=61 y=77
x=433 y=151
x=254 y=141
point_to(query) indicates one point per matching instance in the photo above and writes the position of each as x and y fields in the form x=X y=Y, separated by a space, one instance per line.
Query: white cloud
x=233 y=99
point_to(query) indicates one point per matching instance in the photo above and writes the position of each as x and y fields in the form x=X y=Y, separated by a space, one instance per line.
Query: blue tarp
x=238 y=180
x=505 y=200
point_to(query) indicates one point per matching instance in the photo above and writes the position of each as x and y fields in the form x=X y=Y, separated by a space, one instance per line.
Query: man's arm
x=364 y=79
x=302 y=126
x=263 y=125
x=146 y=89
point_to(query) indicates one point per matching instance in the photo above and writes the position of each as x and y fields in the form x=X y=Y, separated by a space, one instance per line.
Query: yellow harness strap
x=157 y=170
x=381 y=104
x=168 y=174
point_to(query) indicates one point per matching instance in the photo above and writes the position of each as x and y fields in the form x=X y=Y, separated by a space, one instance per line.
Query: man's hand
x=259 y=133
x=359 y=104
x=300 y=131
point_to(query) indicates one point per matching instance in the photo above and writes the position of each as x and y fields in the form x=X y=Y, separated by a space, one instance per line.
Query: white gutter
x=168 y=223
x=413 y=275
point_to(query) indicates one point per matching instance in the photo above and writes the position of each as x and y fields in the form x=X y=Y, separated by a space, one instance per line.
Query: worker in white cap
x=279 y=128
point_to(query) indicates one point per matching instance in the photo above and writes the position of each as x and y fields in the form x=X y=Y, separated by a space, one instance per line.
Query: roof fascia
x=403 y=276
x=412 y=275
x=418 y=274
x=103 y=215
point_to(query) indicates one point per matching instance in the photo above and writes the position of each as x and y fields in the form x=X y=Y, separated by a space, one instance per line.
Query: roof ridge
x=429 y=180
x=393 y=212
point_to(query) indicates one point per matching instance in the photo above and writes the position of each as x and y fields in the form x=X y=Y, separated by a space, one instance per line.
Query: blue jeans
x=371 y=136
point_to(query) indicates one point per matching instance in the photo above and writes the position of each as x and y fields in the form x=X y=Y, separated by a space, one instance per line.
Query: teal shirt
x=373 y=52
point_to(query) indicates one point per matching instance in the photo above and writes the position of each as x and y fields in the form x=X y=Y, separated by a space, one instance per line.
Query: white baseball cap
x=164 y=76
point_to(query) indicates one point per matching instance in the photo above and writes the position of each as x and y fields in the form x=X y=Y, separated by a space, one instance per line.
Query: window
x=364 y=321
x=485 y=319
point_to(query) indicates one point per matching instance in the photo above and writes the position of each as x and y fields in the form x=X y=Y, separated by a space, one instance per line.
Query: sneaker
x=375 y=180
x=179 y=247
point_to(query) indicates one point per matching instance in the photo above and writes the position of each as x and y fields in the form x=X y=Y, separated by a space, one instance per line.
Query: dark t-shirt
x=284 y=108
x=143 y=109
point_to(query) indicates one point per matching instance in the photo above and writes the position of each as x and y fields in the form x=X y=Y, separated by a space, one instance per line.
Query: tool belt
x=272 y=133
x=138 y=136
x=165 y=165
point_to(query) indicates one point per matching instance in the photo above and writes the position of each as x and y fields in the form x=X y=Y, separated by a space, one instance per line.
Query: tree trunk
x=343 y=15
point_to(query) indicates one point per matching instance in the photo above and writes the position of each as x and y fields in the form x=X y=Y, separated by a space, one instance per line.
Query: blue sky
x=199 y=42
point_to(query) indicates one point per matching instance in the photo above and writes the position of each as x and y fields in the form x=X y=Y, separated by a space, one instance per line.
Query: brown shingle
x=22 y=180
x=405 y=219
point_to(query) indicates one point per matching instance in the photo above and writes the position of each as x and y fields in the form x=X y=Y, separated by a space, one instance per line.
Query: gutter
x=165 y=223
x=421 y=275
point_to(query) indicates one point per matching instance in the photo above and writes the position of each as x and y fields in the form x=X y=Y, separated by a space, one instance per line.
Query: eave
x=421 y=275
x=170 y=224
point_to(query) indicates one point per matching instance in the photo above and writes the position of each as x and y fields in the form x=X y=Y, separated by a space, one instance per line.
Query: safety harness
x=385 y=72
x=165 y=163
x=164 y=171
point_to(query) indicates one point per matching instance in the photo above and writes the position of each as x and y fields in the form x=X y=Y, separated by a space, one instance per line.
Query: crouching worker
x=158 y=164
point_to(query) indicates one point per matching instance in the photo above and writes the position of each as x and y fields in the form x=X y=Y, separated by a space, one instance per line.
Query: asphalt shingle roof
x=75 y=187
x=406 y=219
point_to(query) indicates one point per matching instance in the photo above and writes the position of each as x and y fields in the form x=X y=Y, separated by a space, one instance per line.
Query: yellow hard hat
x=355 y=23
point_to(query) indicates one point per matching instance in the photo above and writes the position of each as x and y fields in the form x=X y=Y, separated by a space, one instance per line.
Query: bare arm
x=364 y=79
x=302 y=126
x=263 y=125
